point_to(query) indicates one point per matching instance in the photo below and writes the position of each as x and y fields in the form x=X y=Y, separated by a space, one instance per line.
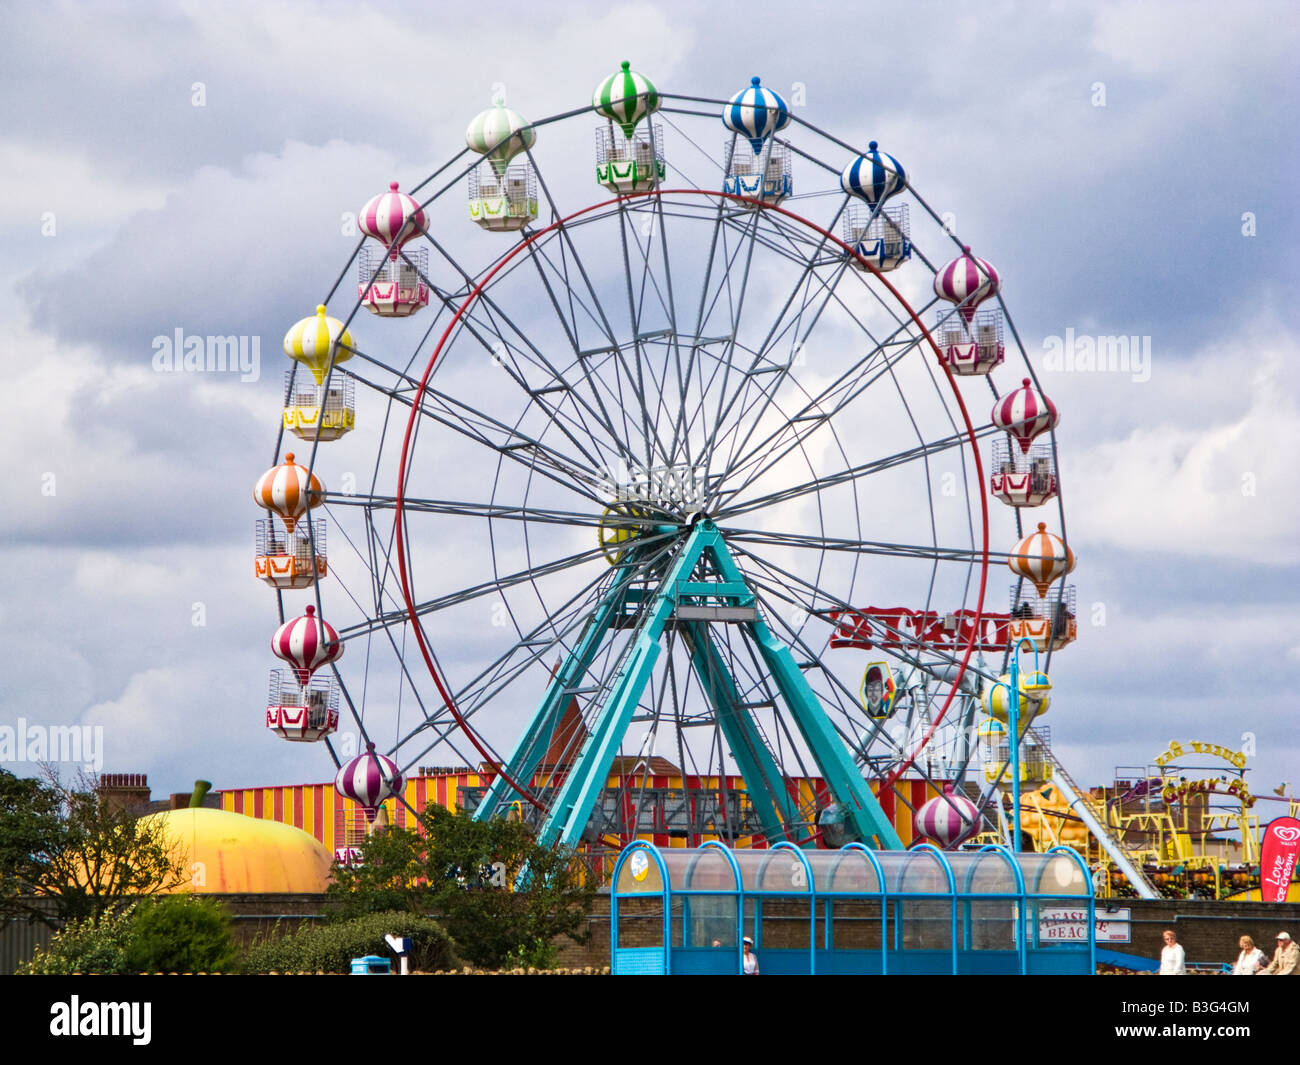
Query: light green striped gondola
x=499 y=134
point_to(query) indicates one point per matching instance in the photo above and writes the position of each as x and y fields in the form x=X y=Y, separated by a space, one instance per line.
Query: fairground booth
x=851 y=911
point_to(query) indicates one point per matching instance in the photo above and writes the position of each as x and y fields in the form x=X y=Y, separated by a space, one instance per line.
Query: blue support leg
x=764 y=782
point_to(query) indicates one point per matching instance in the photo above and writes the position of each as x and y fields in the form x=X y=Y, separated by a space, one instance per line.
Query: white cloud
x=36 y=179
x=1223 y=486
x=185 y=721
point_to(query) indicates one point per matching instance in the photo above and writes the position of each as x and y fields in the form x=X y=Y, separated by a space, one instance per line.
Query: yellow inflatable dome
x=228 y=853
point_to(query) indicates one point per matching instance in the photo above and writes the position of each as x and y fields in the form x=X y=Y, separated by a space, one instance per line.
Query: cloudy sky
x=1128 y=167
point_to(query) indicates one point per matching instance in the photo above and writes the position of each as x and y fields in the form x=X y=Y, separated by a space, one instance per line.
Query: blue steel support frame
x=812 y=902
x=882 y=895
x=665 y=897
x=828 y=750
x=1022 y=921
x=589 y=773
x=764 y=783
x=1024 y=897
x=533 y=744
x=930 y=848
x=1074 y=856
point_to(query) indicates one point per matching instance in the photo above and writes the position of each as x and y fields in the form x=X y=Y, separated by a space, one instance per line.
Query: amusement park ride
x=639 y=463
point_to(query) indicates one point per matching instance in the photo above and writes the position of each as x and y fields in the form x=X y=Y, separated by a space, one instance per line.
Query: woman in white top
x=1250 y=960
x=1173 y=960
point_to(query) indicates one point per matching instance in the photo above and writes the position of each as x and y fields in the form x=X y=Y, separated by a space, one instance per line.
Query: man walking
x=1286 y=958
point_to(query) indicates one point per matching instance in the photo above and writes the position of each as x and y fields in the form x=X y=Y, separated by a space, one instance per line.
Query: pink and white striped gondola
x=947 y=820
x=369 y=779
x=1026 y=414
x=392 y=218
x=967 y=282
x=307 y=643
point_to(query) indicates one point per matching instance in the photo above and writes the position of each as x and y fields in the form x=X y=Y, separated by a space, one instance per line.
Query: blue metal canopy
x=852 y=911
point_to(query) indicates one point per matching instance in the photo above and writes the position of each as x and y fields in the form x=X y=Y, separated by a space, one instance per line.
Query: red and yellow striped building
x=338 y=822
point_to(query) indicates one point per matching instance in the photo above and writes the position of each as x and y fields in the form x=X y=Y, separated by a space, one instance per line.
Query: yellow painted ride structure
x=1188 y=826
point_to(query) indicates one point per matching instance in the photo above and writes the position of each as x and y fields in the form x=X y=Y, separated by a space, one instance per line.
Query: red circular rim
x=403 y=568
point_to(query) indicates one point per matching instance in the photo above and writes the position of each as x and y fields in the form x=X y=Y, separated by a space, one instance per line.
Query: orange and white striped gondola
x=287 y=490
x=1041 y=558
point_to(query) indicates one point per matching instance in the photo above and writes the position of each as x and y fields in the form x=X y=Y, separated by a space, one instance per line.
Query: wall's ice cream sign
x=1277 y=858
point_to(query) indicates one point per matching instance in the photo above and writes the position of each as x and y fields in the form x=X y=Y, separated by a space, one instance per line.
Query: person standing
x=1286 y=958
x=750 y=960
x=1250 y=960
x=1173 y=959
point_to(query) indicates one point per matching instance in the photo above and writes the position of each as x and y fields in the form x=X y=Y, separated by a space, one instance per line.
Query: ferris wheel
x=633 y=465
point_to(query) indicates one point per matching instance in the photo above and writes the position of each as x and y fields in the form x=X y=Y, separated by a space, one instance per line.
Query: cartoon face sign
x=877 y=690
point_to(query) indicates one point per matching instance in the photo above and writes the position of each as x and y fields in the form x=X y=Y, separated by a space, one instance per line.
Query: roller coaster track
x=1082 y=808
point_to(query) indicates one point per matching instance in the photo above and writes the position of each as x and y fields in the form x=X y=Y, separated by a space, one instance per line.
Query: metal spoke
x=851 y=474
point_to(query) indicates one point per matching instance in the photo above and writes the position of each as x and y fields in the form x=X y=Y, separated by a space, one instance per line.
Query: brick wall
x=1208 y=931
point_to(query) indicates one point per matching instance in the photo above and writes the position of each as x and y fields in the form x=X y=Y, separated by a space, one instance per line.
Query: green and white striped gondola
x=634 y=162
x=505 y=197
x=625 y=98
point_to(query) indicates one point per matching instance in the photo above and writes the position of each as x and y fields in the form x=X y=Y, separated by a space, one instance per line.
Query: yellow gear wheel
x=620 y=524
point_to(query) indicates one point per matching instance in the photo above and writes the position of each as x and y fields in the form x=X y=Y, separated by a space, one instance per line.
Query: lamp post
x=1013 y=724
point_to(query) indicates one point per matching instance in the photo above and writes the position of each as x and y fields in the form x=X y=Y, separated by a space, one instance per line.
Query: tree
x=94 y=945
x=62 y=843
x=390 y=876
x=178 y=934
x=501 y=895
x=29 y=818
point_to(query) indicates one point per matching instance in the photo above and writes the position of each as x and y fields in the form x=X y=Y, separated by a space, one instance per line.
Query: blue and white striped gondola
x=755 y=114
x=874 y=177
x=881 y=238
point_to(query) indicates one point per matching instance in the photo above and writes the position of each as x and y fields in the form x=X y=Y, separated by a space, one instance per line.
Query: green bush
x=331 y=948
x=181 y=934
x=93 y=945
x=540 y=954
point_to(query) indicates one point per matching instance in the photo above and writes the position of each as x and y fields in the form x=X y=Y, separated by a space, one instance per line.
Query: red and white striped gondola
x=967 y=282
x=1025 y=414
x=307 y=643
x=369 y=779
x=302 y=713
x=948 y=820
